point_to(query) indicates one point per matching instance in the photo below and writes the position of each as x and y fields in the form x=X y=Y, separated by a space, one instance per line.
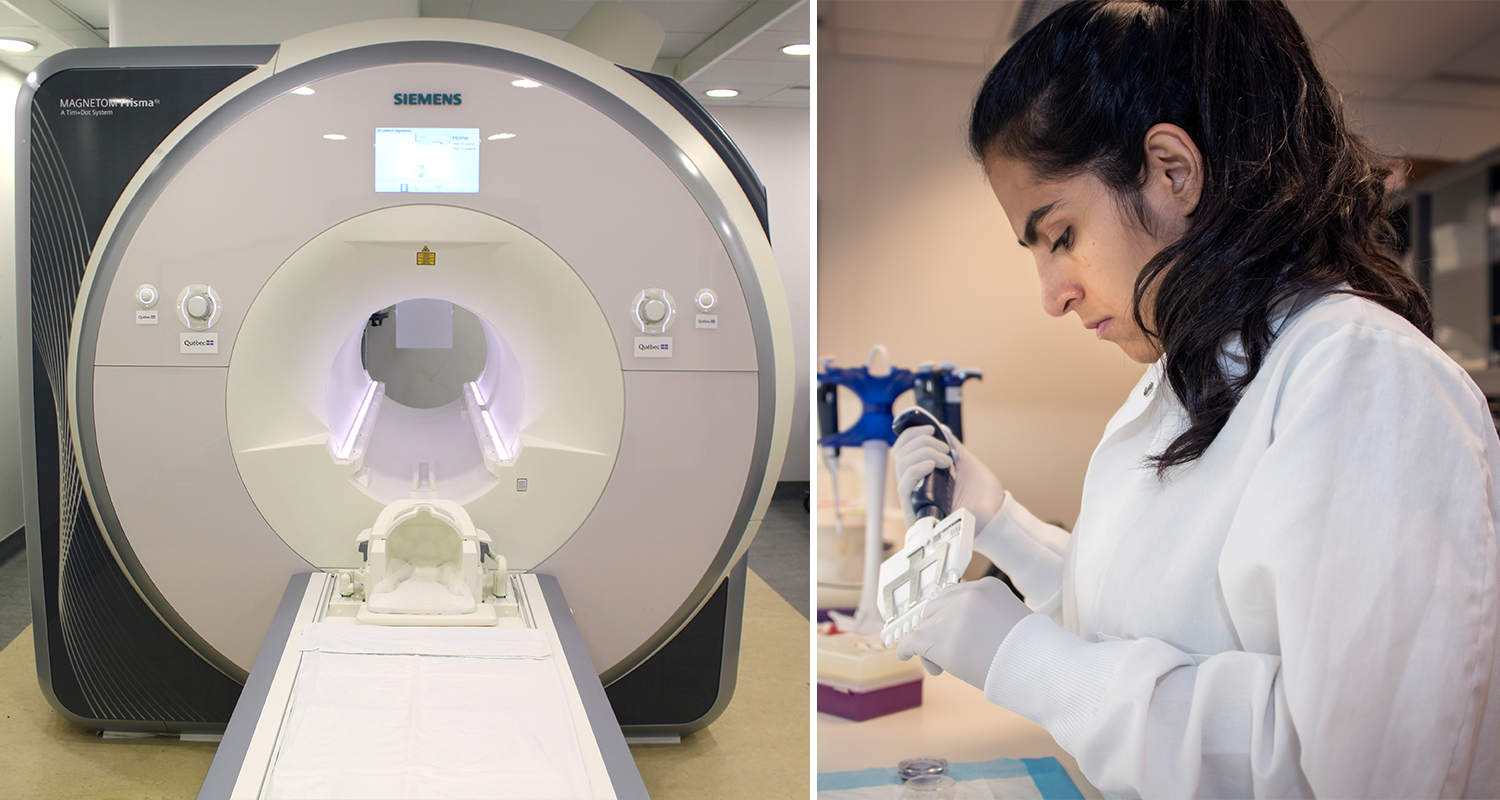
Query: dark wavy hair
x=1292 y=202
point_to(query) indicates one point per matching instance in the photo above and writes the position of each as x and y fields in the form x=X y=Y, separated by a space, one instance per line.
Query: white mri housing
x=216 y=476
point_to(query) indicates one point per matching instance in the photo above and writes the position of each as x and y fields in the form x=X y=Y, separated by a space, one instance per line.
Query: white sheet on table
x=410 y=712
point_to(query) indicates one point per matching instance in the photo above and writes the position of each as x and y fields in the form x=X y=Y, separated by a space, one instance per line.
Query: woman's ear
x=1174 y=171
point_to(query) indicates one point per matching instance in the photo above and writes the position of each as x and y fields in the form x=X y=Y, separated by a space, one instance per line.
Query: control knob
x=652 y=310
x=706 y=300
x=198 y=306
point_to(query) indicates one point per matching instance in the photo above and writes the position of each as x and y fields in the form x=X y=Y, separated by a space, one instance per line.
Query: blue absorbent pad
x=1006 y=778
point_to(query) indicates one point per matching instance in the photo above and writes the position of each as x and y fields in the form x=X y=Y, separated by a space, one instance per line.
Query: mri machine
x=408 y=326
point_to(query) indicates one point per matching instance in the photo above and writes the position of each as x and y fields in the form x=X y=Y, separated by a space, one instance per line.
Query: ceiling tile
x=1465 y=93
x=757 y=67
x=553 y=15
x=22 y=64
x=786 y=98
x=767 y=47
x=749 y=93
x=24 y=30
x=921 y=48
x=1370 y=86
x=1318 y=17
x=683 y=16
x=93 y=12
x=22 y=27
x=1431 y=130
x=731 y=71
x=452 y=9
x=948 y=18
x=1407 y=38
x=798 y=21
x=48 y=42
x=11 y=19
x=1480 y=60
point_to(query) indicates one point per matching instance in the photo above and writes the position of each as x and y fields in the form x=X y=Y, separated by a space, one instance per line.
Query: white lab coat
x=1310 y=609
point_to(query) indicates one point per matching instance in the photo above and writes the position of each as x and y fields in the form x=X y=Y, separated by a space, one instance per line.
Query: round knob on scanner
x=199 y=307
x=653 y=311
x=146 y=295
x=706 y=300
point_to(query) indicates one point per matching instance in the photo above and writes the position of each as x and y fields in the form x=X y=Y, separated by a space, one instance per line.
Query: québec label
x=146 y=316
x=653 y=347
x=200 y=342
x=706 y=321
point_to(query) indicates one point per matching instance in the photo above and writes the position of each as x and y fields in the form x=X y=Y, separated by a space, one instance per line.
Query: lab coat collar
x=1232 y=350
x=1151 y=386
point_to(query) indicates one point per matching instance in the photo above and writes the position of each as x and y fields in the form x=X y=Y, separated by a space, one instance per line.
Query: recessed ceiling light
x=501 y=136
x=525 y=83
x=723 y=93
x=303 y=90
x=17 y=45
x=337 y=137
x=797 y=49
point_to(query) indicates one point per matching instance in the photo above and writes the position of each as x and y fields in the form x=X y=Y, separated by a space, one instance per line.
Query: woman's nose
x=1058 y=295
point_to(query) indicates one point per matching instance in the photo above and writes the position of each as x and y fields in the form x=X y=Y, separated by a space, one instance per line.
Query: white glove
x=918 y=452
x=963 y=628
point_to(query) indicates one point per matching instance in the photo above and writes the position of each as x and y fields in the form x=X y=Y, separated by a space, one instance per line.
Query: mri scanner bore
x=281 y=325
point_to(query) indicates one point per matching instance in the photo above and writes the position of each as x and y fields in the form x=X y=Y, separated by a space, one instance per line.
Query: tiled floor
x=779 y=554
x=15 y=593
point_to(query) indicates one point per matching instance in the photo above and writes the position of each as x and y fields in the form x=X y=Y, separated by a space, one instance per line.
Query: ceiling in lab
x=710 y=44
x=1420 y=77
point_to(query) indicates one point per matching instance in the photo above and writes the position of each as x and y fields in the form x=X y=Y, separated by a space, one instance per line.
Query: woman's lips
x=1098 y=327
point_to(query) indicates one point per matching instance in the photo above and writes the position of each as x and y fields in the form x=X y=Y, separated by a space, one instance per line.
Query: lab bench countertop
x=955 y=722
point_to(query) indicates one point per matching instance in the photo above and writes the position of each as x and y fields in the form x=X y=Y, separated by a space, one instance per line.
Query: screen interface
x=426 y=159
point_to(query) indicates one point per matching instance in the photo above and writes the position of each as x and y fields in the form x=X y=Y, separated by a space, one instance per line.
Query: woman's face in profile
x=1088 y=249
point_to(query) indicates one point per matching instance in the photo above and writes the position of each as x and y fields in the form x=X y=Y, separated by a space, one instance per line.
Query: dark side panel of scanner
x=686 y=684
x=111 y=663
x=680 y=99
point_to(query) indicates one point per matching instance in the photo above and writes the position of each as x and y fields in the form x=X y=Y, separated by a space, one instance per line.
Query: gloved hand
x=918 y=451
x=962 y=629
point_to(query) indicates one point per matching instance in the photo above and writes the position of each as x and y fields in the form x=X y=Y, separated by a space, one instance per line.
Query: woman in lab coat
x=1283 y=580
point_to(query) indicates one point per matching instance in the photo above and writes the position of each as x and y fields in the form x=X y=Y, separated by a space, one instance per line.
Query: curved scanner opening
x=330 y=420
x=425 y=397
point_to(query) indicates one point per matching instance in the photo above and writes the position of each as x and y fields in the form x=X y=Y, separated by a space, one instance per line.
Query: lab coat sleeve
x=1029 y=551
x=1359 y=572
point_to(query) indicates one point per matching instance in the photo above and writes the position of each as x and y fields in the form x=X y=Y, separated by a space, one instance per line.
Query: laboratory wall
x=11 y=514
x=914 y=253
x=776 y=141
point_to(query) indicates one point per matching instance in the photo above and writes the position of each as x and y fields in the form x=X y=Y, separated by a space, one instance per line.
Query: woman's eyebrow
x=1028 y=236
